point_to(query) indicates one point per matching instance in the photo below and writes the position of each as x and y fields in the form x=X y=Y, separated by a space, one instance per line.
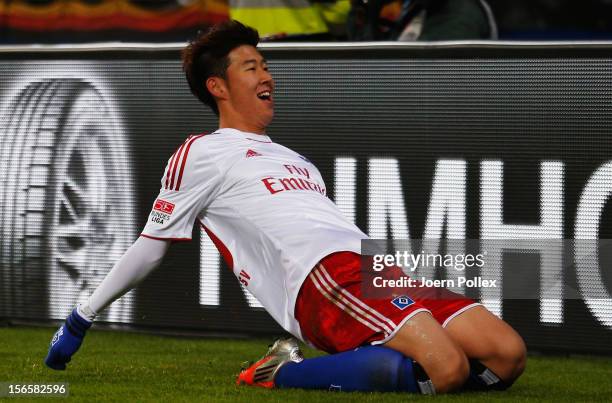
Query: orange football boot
x=262 y=373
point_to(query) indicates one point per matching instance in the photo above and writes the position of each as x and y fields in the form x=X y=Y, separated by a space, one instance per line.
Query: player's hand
x=66 y=341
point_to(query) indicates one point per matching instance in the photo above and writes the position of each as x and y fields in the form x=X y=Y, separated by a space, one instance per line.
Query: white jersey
x=263 y=205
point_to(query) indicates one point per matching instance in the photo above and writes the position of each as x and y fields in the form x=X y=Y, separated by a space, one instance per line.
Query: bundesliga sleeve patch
x=402 y=302
x=163 y=206
x=162 y=210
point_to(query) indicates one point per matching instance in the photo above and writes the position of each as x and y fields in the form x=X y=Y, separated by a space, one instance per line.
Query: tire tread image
x=15 y=136
x=50 y=124
x=30 y=275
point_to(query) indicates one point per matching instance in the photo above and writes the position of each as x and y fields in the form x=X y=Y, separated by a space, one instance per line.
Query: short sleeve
x=189 y=184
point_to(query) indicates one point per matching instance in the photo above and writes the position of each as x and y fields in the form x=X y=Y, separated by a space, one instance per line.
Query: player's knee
x=511 y=354
x=452 y=373
x=517 y=358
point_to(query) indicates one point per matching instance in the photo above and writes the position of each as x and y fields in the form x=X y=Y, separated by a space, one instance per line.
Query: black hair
x=207 y=56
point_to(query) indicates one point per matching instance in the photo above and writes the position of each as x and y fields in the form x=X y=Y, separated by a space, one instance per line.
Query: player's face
x=250 y=86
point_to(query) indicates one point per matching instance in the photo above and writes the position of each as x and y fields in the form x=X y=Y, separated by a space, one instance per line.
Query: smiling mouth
x=265 y=95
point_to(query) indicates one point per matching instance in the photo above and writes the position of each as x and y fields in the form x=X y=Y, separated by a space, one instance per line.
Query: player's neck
x=226 y=122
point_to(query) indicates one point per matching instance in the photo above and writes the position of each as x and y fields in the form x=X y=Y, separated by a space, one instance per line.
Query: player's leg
x=496 y=353
x=334 y=316
x=422 y=338
x=491 y=341
x=372 y=368
x=406 y=328
x=367 y=369
x=439 y=361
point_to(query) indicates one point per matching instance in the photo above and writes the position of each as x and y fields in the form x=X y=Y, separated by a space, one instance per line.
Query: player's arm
x=135 y=265
x=189 y=183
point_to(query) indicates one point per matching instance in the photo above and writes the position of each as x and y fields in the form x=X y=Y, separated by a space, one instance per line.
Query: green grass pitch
x=119 y=366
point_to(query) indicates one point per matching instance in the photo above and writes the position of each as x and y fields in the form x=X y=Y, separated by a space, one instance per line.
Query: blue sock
x=371 y=368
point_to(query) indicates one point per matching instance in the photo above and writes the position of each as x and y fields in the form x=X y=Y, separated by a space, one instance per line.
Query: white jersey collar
x=262 y=138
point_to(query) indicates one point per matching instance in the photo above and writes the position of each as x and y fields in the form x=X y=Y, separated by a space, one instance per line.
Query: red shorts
x=334 y=316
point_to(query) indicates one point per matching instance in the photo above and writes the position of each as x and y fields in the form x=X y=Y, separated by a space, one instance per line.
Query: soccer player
x=266 y=209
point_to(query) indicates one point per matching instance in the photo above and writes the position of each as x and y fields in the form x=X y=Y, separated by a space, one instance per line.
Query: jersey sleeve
x=189 y=184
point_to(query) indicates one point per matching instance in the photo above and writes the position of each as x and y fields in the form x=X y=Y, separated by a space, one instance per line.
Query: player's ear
x=216 y=86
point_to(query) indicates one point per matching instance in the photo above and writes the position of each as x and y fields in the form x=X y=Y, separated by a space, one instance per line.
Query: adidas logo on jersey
x=250 y=153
